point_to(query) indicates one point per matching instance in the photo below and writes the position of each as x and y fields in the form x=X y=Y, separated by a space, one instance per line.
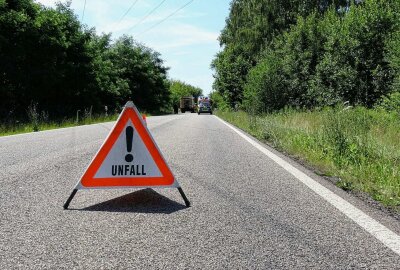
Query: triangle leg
x=70 y=198
x=184 y=197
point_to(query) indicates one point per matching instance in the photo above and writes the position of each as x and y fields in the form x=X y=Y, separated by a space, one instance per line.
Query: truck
x=187 y=104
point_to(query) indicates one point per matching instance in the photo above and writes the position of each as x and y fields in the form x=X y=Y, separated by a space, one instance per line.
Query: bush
x=263 y=90
x=354 y=66
x=391 y=102
x=218 y=102
x=393 y=57
x=348 y=55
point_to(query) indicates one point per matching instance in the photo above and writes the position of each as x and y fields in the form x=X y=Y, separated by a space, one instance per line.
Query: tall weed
x=360 y=146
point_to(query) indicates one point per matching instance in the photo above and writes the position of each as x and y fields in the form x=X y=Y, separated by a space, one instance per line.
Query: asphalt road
x=247 y=212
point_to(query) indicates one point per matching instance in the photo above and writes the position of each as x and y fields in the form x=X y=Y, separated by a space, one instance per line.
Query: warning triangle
x=129 y=157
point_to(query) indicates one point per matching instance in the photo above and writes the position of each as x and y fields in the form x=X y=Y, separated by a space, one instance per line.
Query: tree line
x=181 y=89
x=49 y=60
x=308 y=53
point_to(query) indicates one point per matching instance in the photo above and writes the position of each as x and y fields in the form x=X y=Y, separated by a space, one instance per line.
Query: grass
x=40 y=125
x=360 y=146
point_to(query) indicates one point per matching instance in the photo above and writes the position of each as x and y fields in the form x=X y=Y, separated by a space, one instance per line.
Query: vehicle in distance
x=187 y=104
x=204 y=105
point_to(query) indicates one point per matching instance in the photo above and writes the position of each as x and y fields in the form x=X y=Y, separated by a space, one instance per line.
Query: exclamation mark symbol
x=129 y=140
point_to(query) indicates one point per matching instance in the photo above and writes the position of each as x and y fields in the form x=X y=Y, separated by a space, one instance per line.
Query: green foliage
x=48 y=58
x=251 y=28
x=283 y=75
x=354 y=67
x=301 y=49
x=308 y=54
x=232 y=69
x=263 y=90
x=42 y=123
x=143 y=70
x=33 y=116
x=218 y=101
x=393 y=57
x=390 y=103
x=180 y=89
x=360 y=146
x=113 y=87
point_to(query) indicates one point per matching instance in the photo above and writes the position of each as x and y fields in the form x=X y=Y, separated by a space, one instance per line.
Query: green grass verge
x=18 y=128
x=360 y=146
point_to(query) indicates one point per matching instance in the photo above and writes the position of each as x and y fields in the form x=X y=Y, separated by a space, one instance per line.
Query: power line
x=129 y=9
x=145 y=17
x=166 y=18
x=83 y=13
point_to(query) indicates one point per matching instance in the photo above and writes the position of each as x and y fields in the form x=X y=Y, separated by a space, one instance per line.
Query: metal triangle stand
x=176 y=184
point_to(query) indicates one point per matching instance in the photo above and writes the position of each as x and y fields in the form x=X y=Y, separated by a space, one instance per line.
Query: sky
x=187 y=41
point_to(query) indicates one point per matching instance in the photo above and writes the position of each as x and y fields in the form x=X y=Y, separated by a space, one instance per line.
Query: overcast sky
x=187 y=40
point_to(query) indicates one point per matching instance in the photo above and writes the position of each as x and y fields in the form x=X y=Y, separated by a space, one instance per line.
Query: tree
x=180 y=89
x=113 y=87
x=354 y=67
x=218 y=101
x=250 y=29
x=44 y=59
x=143 y=70
x=341 y=55
x=393 y=57
x=300 y=50
x=264 y=89
x=16 y=27
x=48 y=58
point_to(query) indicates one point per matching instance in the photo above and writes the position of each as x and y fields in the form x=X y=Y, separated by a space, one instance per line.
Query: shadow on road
x=141 y=201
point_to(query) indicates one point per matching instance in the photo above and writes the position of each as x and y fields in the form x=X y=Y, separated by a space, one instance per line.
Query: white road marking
x=379 y=231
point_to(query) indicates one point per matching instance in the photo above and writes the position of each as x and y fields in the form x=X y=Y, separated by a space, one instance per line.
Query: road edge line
x=372 y=226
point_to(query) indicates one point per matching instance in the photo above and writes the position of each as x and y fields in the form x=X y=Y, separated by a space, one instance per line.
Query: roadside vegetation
x=40 y=122
x=360 y=146
x=180 y=89
x=26 y=127
x=320 y=80
x=51 y=61
x=49 y=58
